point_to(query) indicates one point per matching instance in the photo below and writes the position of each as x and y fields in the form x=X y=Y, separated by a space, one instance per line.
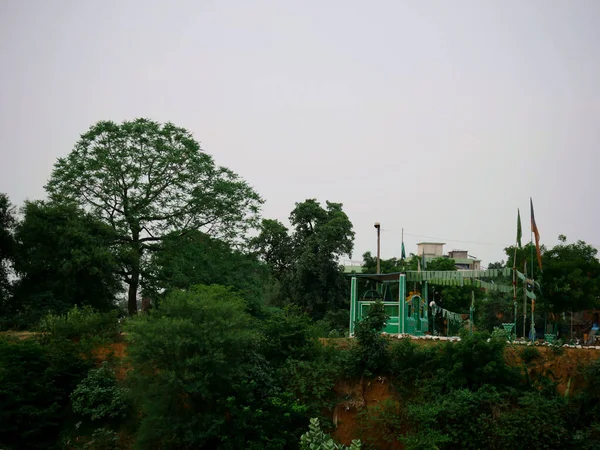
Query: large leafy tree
x=305 y=261
x=274 y=246
x=7 y=223
x=64 y=257
x=196 y=258
x=321 y=237
x=147 y=179
x=369 y=264
x=570 y=280
x=571 y=277
x=441 y=264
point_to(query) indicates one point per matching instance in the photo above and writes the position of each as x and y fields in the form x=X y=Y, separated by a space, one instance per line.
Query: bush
x=370 y=356
x=288 y=333
x=98 y=396
x=410 y=362
x=196 y=361
x=474 y=361
x=313 y=381
x=529 y=354
x=35 y=383
x=315 y=439
x=459 y=419
x=81 y=322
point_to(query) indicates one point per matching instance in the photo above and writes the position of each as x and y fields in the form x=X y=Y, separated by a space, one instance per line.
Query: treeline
x=138 y=208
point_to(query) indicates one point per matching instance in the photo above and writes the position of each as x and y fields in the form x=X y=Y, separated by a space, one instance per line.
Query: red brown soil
x=362 y=397
x=116 y=352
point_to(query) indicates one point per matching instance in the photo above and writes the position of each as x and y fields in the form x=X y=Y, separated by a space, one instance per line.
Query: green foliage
x=497 y=308
x=411 y=365
x=99 y=397
x=103 y=439
x=274 y=246
x=370 y=356
x=196 y=258
x=311 y=277
x=457 y=298
x=381 y=424
x=529 y=354
x=146 y=179
x=64 y=257
x=81 y=322
x=35 y=383
x=7 y=248
x=315 y=439
x=196 y=361
x=391 y=265
x=441 y=264
x=571 y=277
x=313 y=380
x=288 y=333
x=476 y=360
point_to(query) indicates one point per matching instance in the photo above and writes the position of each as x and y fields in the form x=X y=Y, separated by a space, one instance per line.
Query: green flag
x=403 y=254
x=424 y=263
x=519 y=232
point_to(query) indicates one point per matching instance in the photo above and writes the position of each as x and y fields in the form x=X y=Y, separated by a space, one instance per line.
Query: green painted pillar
x=402 y=306
x=353 y=303
x=471 y=310
x=426 y=308
x=515 y=327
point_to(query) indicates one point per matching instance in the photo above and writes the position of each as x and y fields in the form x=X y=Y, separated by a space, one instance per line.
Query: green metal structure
x=409 y=311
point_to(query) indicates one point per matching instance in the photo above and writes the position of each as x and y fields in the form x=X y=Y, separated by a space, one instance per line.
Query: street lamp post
x=378 y=227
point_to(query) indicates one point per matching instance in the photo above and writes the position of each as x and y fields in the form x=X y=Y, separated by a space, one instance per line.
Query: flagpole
x=517 y=245
x=525 y=300
x=532 y=328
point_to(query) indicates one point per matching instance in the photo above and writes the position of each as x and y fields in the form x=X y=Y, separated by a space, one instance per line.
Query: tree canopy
x=196 y=258
x=306 y=262
x=7 y=245
x=571 y=277
x=147 y=179
x=64 y=257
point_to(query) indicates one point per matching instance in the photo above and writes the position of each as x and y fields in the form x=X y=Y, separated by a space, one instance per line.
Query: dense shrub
x=529 y=354
x=315 y=439
x=80 y=322
x=410 y=363
x=288 y=333
x=99 y=397
x=474 y=361
x=370 y=356
x=196 y=360
x=312 y=381
x=35 y=383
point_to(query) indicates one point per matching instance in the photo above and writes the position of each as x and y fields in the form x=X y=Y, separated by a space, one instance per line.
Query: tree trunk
x=134 y=282
x=133 y=289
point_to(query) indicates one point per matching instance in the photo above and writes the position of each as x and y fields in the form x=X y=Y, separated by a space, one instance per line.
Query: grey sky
x=441 y=117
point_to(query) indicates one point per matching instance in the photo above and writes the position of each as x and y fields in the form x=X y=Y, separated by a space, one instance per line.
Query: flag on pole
x=519 y=231
x=403 y=254
x=424 y=263
x=536 y=233
x=518 y=244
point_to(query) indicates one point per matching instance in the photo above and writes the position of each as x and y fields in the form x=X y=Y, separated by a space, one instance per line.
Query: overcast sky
x=442 y=117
